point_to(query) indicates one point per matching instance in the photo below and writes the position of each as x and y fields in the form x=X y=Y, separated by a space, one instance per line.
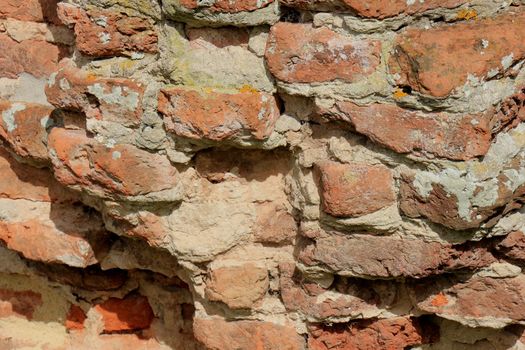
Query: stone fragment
x=23 y=128
x=371 y=256
x=239 y=287
x=274 y=225
x=476 y=302
x=129 y=314
x=36 y=57
x=235 y=68
x=122 y=171
x=75 y=318
x=428 y=134
x=19 y=303
x=115 y=100
x=509 y=113
x=299 y=53
x=350 y=190
x=513 y=246
x=393 y=334
x=442 y=206
x=218 y=116
x=437 y=61
x=105 y=33
x=217 y=334
x=378 y=9
x=223 y=12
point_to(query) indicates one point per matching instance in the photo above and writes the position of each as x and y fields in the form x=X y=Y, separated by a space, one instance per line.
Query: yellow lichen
x=247 y=88
x=399 y=94
x=466 y=14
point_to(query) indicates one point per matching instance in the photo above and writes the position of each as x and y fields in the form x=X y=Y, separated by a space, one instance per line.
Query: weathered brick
x=104 y=33
x=390 y=257
x=129 y=314
x=115 y=100
x=444 y=204
x=456 y=137
x=350 y=190
x=227 y=5
x=374 y=8
x=68 y=241
x=30 y=10
x=217 y=334
x=21 y=181
x=275 y=225
x=479 y=301
x=354 y=298
x=35 y=57
x=392 y=334
x=23 y=128
x=436 y=61
x=122 y=171
x=19 y=303
x=237 y=13
x=299 y=53
x=239 y=287
x=218 y=116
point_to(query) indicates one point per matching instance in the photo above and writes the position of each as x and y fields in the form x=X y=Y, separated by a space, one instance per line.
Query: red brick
x=217 y=334
x=371 y=256
x=226 y=6
x=347 y=297
x=65 y=241
x=116 y=100
x=23 y=128
x=123 y=170
x=392 y=334
x=424 y=134
x=299 y=53
x=479 y=299
x=21 y=181
x=218 y=116
x=350 y=190
x=374 y=8
x=19 y=303
x=75 y=318
x=129 y=314
x=239 y=287
x=104 y=33
x=35 y=57
x=436 y=61
x=30 y=10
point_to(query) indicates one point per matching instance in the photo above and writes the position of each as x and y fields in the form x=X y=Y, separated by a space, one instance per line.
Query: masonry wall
x=262 y=175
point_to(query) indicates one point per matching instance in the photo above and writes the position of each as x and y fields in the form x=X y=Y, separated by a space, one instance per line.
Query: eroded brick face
x=354 y=189
x=299 y=53
x=262 y=174
x=438 y=61
x=103 y=33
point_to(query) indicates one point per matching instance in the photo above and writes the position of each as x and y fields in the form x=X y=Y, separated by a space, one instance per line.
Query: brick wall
x=262 y=174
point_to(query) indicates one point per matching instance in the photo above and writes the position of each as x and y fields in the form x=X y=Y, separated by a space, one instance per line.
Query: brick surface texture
x=262 y=174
